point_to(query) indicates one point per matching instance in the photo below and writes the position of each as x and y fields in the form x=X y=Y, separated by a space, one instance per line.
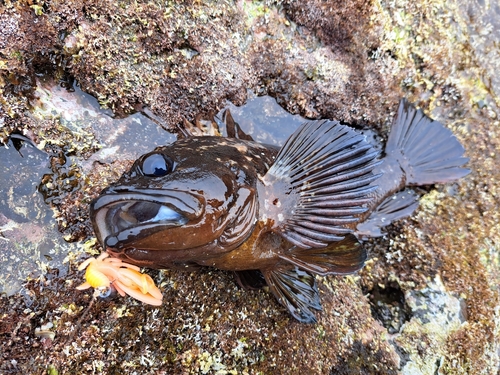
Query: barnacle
x=104 y=272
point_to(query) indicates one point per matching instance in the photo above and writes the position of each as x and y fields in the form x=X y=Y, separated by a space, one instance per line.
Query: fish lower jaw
x=122 y=221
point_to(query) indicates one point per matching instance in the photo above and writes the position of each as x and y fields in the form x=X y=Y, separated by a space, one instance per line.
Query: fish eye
x=157 y=165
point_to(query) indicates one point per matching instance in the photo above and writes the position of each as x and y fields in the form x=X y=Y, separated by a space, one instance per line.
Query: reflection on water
x=29 y=241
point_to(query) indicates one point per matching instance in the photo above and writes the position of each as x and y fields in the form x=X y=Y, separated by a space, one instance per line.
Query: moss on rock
x=426 y=303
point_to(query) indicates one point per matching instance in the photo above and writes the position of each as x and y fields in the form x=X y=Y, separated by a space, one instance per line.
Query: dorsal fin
x=319 y=184
x=233 y=128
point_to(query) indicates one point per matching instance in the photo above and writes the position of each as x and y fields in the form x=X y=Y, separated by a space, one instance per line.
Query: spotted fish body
x=273 y=216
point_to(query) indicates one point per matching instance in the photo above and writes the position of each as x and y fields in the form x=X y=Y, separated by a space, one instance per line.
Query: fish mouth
x=122 y=216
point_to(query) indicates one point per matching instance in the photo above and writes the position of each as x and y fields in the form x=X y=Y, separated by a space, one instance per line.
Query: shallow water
x=30 y=243
x=29 y=240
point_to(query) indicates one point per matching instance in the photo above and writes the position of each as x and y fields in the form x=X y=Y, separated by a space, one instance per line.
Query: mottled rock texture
x=426 y=303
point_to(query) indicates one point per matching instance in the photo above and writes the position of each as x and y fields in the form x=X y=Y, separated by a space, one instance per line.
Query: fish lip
x=114 y=225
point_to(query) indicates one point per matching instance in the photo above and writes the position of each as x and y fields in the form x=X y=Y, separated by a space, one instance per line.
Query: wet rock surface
x=427 y=301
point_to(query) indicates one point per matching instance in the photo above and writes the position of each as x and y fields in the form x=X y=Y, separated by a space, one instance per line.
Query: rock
x=427 y=301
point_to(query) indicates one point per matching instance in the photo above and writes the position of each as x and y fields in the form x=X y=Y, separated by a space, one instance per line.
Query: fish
x=275 y=217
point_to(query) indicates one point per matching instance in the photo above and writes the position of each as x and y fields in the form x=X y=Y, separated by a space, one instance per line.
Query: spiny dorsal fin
x=233 y=128
x=296 y=290
x=319 y=184
x=339 y=258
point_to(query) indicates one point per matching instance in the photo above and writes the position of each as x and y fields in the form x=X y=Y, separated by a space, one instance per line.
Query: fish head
x=178 y=203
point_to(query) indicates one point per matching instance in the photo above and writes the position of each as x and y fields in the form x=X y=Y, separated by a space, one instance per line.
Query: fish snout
x=119 y=214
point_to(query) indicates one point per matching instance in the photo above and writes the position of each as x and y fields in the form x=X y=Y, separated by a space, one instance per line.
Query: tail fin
x=428 y=152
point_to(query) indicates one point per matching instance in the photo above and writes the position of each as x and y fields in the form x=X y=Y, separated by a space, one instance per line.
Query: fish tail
x=426 y=150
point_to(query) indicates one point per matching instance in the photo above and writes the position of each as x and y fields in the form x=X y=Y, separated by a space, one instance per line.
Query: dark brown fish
x=273 y=216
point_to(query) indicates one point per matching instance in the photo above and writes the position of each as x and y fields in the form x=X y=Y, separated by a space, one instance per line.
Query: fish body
x=273 y=216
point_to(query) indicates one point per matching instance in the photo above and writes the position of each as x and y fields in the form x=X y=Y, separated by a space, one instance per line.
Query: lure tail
x=427 y=152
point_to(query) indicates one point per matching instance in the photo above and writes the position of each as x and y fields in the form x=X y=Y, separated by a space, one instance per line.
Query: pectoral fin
x=296 y=290
x=339 y=258
x=319 y=184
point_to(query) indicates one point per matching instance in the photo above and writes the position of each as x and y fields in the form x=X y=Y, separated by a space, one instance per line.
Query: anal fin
x=339 y=258
x=395 y=207
x=296 y=290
